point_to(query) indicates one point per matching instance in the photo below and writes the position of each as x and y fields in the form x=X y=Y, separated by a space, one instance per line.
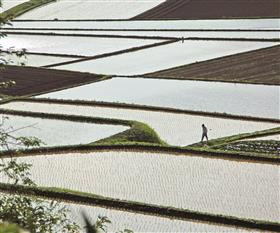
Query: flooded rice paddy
x=86 y=46
x=164 y=57
x=175 y=129
x=144 y=223
x=257 y=24
x=177 y=34
x=241 y=189
x=59 y=132
x=238 y=99
x=34 y=60
x=83 y=9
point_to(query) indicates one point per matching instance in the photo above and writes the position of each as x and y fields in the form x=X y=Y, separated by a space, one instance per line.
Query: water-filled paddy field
x=177 y=34
x=248 y=190
x=144 y=223
x=241 y=189
x=175 y=129
x=71 y=45
x=240 y=99
x=35 y=60
x=59 y=132
x=164 y=57
x=237 y=24
x=85 y=9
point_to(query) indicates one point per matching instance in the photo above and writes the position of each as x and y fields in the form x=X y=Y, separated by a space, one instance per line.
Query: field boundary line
x=91 y=35
x=146 y=37
x=137 y=207
x=142 y=107
x=143 y=148
x=47 y=54
x=134 y=49
x=140 y=30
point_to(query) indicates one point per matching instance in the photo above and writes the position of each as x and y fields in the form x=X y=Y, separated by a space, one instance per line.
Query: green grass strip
x=217 y=143
x=138 y=137
x=23 y=8
x=164 y=211
x=137 y=133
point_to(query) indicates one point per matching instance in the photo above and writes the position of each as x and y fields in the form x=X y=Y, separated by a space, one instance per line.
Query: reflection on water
x=240 y=99
x=160 y=24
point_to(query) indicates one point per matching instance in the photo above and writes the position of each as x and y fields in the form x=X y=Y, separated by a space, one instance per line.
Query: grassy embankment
x=23 y=8
x=229 y=144
x=138 y=207
x=138 y=133
x=141 y=137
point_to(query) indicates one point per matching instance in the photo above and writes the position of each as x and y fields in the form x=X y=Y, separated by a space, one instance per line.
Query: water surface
x=240 y=99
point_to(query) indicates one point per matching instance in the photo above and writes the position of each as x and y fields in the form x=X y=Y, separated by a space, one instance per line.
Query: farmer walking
x=204 y=133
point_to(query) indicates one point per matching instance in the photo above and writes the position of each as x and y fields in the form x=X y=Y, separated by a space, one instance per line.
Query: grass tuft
x=138 y=133
x=23 y=8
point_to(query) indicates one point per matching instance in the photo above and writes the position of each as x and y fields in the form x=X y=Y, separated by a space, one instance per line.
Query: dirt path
x=205 y=9
x=258 y=67
x=31 y=80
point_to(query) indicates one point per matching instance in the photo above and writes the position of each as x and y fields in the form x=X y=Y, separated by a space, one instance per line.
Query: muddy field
x=37 y=80
x=259 y=67
x=205 y=9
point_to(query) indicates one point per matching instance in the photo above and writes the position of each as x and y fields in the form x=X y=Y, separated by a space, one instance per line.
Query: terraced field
x=151 y=60
x=109 y=9
x=193 y=9
x=145 y=223
x=124 y=140
x=59 y=45
x=175 y=129
x=237 y=68
x=63 y=132
x=245 y=190
x=238 y=99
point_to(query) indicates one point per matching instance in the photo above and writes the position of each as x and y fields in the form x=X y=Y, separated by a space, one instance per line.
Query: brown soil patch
x=30 y=80
x=213 y=9
x=257 y=67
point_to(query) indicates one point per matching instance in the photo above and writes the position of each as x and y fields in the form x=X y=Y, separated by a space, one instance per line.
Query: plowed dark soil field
x=31 y=80
x=213 y=9
x=258 y=67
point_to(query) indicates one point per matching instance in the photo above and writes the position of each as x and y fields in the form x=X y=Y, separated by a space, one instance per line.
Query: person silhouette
x=204 y=133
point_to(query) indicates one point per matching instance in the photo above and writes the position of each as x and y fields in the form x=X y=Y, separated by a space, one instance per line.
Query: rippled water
x=246 y=190
x=59 y=132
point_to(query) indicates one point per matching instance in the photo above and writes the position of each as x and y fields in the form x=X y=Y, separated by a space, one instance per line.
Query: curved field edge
x=138 y=132
x=139 y=107
x=146 y=147
x=141 y=137
x=137 y=207
x=219 y=142
x=23 y=8
x=219 y=145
